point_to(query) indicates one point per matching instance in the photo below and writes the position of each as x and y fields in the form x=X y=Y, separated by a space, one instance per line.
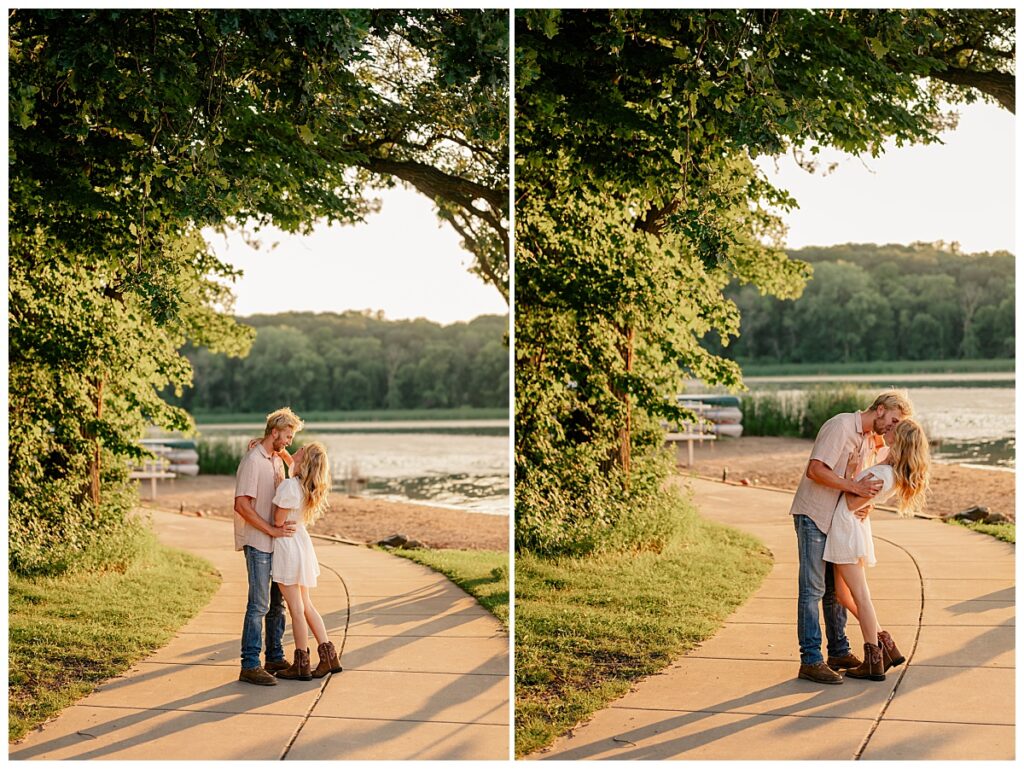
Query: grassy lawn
x=70 y=633
x=1007 y=532
x=481 y=573
x=379 y=415
x=587 y=628
x=880 y=367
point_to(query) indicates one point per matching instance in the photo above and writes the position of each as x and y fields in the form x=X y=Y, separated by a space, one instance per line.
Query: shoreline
x=781 y=462
x=362 y=519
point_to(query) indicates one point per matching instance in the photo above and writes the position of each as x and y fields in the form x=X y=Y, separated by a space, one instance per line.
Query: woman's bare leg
x=843 y=594
x=857 y=582
x=316 y=622
x=293 y=597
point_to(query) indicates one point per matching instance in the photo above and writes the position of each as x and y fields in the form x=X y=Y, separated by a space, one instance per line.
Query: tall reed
x=799 y=415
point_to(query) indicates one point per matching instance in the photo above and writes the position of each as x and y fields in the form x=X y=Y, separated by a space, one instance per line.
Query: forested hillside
x=892 y=302
x=355 y=360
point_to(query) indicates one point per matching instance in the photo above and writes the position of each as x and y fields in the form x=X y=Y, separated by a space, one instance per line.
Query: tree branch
x=999 y=85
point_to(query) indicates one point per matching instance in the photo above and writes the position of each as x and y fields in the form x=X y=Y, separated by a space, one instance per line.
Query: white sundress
x=849 y=538
x=294 y=558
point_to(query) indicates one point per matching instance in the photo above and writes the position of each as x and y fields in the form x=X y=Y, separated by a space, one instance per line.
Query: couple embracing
x=271 y=514
x=859 y=459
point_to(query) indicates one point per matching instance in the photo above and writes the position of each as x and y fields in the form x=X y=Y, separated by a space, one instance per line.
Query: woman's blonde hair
x=314 y=476
x=911 y=462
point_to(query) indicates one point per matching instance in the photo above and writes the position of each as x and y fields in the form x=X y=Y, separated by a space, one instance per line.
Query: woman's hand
x=285 y=456
x=852 y=465
x=253 y=443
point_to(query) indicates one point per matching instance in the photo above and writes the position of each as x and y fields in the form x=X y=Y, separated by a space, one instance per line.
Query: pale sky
x=962 y=190
x=402 y=261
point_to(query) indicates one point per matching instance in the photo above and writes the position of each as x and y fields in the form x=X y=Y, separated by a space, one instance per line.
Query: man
x=255 y=532
x=812 y=509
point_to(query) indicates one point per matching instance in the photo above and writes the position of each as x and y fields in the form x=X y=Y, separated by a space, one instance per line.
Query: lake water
x=458 y=464
x=972 y=416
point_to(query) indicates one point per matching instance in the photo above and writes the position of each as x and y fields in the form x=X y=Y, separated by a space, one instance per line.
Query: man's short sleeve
x=830 y=444
x=246 y=479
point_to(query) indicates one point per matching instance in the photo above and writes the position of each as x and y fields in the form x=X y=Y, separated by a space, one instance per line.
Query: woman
x=849 y=545
x=302 y=499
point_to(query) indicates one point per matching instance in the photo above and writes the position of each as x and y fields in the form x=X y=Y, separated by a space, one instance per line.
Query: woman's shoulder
x=880 y=471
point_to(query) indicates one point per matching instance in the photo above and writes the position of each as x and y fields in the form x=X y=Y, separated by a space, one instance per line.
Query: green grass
x=587 y=628
x=1007 y=532
x=481 y=573
x=379 y=415
x=70 y=633
x=971 y=366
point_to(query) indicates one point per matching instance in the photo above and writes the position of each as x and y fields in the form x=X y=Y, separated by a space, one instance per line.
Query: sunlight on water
x=459 y=465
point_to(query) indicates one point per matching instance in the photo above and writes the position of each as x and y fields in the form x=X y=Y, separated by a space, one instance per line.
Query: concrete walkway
x=426 y=674
x=945 y=594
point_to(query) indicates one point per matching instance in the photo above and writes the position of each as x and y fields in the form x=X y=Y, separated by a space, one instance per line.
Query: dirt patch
x=362 y=519
x=780 y=462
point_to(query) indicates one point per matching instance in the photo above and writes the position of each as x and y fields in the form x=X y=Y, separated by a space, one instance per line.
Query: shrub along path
x=426 y=674
x=945 y=593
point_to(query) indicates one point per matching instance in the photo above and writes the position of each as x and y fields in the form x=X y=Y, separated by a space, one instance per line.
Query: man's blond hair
x=282 y=419
x=894 y=399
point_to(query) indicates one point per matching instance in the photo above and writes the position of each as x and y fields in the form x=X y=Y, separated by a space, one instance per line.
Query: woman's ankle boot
x=872 y=668
x=891 y=655
x=329 y=662
x=299 y=669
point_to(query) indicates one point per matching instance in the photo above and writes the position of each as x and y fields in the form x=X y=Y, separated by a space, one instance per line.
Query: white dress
x=294 y=558
x=849 y=539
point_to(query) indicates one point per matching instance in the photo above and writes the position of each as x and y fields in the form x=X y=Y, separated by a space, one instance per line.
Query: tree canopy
x=638 y=203
x=355 y=361
x=132 y=130
x=865 y=302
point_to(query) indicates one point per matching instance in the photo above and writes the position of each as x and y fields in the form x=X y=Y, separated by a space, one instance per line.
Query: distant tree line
x=866 y=302
x=355 y=360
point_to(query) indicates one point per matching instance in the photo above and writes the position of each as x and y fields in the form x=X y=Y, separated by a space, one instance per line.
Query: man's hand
x=864 y=512
x=286 y=529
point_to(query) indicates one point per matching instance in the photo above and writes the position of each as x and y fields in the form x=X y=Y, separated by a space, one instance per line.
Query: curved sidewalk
x=945 y=593
x=426 y=674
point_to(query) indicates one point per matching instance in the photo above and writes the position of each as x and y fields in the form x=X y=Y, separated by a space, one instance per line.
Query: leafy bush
x=53 y=528
x=580 y=506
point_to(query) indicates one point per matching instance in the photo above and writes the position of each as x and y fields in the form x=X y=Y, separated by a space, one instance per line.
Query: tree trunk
x=627 y=350
x=94 y=464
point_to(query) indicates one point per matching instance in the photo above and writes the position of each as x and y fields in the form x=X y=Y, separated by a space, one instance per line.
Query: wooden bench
x=689 y=436
x=151 y=470
x=690 y=432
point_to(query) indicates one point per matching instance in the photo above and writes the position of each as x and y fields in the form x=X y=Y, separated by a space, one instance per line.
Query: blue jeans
x=817 y=584
x=265 y=604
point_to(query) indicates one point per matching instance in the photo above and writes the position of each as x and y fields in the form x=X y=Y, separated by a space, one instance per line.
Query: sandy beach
x=363 y=519
x=780 y=462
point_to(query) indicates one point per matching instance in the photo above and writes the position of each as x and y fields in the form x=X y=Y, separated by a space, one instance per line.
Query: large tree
x=638 y=201
x=131 y=131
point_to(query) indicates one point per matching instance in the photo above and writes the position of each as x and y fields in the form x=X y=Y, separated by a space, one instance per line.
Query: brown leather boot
x=820 y=673
x=890 y=654
x=257 y=675
x=872 y=667
x=329 y=662
x=272 y=666
x=299 y=669
x=847 y=661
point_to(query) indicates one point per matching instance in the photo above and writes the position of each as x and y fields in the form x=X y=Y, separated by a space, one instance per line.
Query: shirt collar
x=263 y=450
